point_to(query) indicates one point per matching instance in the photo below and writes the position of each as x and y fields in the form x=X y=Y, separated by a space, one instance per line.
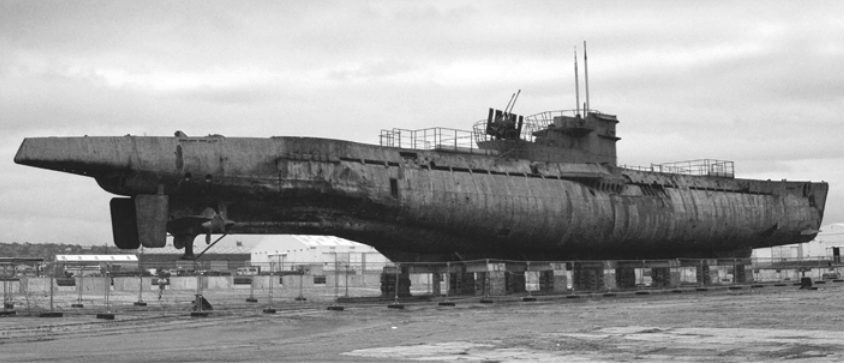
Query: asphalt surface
x=752 y=324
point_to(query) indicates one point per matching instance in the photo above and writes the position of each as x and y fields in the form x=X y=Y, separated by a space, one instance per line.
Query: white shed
x=286 y=251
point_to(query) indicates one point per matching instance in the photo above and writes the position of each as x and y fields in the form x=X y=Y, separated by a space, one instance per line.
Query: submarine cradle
x=544 y=187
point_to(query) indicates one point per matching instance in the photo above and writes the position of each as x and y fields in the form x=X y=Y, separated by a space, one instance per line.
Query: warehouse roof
x=96 y=258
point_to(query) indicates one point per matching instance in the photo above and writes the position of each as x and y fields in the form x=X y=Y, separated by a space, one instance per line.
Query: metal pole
x=347 y=280
x=106 y=289
x=448 y=278
x=140 y=301
x=270 y=287
x=430 y=281
x=301 y=297
x=576 y=85
x=52 y=282
x=397 y=283
x=586 y=78
x=486 y=280
x=140 y=285
x=198 y=297
x=80 y=287
x=336 y=278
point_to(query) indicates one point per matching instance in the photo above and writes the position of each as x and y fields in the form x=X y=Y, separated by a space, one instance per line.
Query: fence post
x=140 y=301
x=448 y=286
x=347 y=279
x=395 y=304
x=106 y=288
x=8 y=303
x=336 y=278
x=398 y=268
x=108 y=315
x=199 y=300
x=79 y=288
x=301 y=297
x=269 y=309
x=52 y=283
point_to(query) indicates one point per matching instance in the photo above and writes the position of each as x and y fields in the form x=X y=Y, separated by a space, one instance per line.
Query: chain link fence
x=176 y=286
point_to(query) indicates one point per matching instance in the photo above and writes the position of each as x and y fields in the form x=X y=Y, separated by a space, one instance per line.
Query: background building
x=829 y=240
x=287 y=251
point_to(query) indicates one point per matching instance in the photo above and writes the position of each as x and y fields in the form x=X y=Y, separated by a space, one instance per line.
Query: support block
x=105 y=316
x=461 y=283
x=388 y=282
x=588 y=276
x=625 y=277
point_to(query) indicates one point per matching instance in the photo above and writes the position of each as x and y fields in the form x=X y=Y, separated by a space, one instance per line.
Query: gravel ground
x=760 y=324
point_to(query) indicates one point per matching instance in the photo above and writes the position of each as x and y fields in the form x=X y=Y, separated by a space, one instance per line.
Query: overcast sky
x=760 y=83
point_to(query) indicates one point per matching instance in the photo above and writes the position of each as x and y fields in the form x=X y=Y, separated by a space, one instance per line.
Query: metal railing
x=435 y=138
x=699 y=167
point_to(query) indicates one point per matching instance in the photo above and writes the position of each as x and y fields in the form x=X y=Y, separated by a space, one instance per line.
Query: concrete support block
x=704 y=276
x=625 y=277
x=388 y=282
x=588 y=276
x=516 y=281
x=461 y=283
x=664 y=277
x=610 y=279
x=561 y=277
x=436 y=284
x=481 y=279
x=497 y=280
x=688 y=275
x=546 y=281
x=741 y=274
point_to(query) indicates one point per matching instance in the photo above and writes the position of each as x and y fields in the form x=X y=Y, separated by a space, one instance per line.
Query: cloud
x=754 y=82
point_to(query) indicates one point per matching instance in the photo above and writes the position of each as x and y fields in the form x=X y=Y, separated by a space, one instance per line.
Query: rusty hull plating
x=551 y=192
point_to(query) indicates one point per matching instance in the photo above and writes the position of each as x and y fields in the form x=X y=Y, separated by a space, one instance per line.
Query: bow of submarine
x=88 y=156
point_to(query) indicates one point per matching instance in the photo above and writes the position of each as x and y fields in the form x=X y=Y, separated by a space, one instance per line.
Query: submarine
x=543 y=187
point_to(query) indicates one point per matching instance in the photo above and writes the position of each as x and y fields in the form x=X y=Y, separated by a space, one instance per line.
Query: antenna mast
x=586 y=77
x=576 y=86
x=512 y=97
x=513 y=105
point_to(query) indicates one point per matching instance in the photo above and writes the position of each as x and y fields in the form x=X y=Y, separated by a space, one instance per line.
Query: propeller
x=217 y=222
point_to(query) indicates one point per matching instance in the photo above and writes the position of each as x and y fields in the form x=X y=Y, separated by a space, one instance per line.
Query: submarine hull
x=435 y=205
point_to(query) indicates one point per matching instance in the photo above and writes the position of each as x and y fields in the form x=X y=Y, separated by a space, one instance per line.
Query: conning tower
x=553 y=136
